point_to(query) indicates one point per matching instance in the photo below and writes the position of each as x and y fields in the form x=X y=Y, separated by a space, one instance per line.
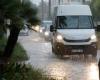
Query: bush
x=2 y=44
x=16 y=71
x=19 y=54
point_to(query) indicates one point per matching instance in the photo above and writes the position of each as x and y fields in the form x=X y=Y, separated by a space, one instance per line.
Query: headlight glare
x=41 y=30
x=59 y=37
x=37 y=28
x=93 y=37
x=46 y=33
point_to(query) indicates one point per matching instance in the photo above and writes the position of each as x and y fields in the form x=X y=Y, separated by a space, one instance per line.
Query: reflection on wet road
x=73 y=70
x=68 y=68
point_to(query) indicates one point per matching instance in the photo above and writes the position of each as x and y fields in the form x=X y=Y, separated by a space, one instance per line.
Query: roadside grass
x=18 y=71
x=2 y=44
x=19 y=54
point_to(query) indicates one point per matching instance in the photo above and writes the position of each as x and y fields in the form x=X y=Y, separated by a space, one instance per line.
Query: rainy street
x=69 y=68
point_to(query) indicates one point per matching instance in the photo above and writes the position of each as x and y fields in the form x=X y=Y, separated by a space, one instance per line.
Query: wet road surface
x=68 y=68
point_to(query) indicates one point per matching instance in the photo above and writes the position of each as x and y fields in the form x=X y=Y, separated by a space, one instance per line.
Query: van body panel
x=76 y=34
x=73 y=10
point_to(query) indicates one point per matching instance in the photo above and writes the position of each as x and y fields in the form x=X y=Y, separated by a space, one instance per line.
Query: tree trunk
x=14 y=32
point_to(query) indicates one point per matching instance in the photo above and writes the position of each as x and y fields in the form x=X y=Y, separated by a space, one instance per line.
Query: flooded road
x=69 y=68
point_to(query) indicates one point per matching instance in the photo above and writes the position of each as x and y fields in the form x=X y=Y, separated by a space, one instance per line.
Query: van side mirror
x=51 y=28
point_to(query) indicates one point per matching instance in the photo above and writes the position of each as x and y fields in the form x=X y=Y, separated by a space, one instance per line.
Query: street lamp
x=83 y=1
x=49 y=12
x=59 y=2
x=42 y=10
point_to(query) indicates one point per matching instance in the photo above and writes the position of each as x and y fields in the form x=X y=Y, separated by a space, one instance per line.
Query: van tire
x=53 y=51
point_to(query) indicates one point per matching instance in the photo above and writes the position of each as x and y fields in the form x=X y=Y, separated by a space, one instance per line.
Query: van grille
x=83 y=40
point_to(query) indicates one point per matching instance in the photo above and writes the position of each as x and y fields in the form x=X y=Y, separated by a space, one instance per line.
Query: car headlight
x=37 y=28
x=93 y=37
x=59 y=37
x=46 y=33
x=41 y=30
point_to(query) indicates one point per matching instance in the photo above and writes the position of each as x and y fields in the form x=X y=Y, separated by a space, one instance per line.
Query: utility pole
x=42 y=17
x=49 y=12
x=83 y=1
x=59 y=2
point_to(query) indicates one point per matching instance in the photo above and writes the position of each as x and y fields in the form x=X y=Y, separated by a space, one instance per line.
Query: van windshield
x=74 y=22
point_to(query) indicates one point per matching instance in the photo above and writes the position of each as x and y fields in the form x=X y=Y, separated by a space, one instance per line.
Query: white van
x=73 y=31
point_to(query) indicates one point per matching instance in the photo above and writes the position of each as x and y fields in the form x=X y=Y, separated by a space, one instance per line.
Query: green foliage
x=95 y=6
x=18 y=22
x=17 y=11
x=29 y=12
x=19 y=54
x=2 y=30
x=2 y=44
x=17 y=71
x=34 y=21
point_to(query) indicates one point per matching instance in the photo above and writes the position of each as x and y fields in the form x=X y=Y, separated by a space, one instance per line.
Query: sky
x=37 y=1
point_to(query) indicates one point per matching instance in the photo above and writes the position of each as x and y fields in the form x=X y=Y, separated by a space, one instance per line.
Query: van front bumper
x=61 y=49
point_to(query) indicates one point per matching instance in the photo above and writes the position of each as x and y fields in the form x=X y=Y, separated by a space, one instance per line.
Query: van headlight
x=46 y=33
x=93 y=37
x=59 y=37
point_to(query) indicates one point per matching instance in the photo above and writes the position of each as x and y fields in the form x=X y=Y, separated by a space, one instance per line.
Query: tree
x=17 y=12
x=95 y=6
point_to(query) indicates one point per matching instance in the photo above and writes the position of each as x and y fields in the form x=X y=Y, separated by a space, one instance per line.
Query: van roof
x=73 y=10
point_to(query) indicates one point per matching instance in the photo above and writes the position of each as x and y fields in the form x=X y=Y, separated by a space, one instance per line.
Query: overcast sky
x=37 y=1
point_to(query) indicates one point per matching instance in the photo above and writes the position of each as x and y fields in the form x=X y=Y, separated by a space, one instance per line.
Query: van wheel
x=54 y=51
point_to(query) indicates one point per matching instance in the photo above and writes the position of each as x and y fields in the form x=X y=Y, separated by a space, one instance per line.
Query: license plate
x=77 y=50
